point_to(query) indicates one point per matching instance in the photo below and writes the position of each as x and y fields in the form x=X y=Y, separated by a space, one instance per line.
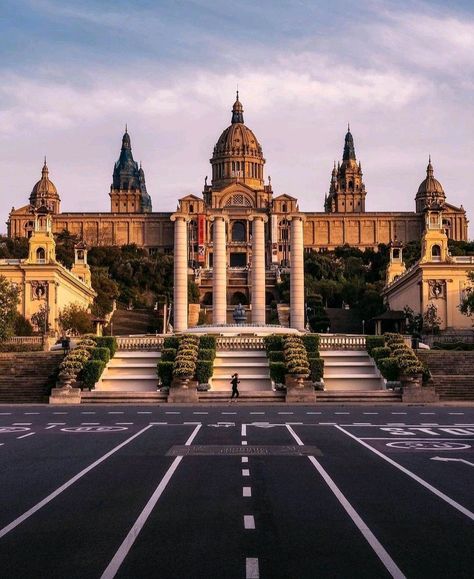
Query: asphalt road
x=236 y=492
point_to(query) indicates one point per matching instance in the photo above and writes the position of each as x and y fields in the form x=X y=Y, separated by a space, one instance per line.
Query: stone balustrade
x=240 y=343
x=341 y=342
x=25 y=340
x=140 y=343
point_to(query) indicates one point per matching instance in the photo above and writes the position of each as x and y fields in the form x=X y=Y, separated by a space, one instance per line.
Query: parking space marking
x=243 y=430
x=249 y=522
x=25 y=435
x=377 y=547
x=412 y=475
x=27 y=514
x=129 y=540
x=251 y=568
x=59 y=412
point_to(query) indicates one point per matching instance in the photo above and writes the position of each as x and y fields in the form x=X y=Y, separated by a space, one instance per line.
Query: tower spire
x=237 y=111
x=349 y=150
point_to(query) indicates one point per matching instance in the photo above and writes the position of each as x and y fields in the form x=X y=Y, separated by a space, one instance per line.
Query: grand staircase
x=27 y=377
x=452 y=373
x=251 y=365
x=126 y=322
x=350 y=370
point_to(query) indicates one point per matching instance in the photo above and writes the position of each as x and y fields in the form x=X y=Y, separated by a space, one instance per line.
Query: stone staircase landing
x=130 y=371
x=251 y=365
x=349 y=371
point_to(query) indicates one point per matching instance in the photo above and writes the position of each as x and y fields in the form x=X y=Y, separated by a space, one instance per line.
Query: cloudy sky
x=74 y=72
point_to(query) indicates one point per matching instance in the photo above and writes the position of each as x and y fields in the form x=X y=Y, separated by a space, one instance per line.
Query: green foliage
x=466 y=306
x=100 y=354
x=91 y=372
x=431 y=320
x=204 y=370
x=206 y=354
x=273 y=343
x=381 y=352
x=186 y=356
x=277 y=372
x=22 y=326
x=9 y=298
x=316 y=369
x=109 y=342
x=460 y=346
x=318 y=318
x=107 y=291
x=168 y=354
x=65 y=243
x=372 y=342
x=76 y=319
x=171 y=342
x=389 y=368
x=8 y=347
x=165 y=372
x=311 y=343
x=193 y=292
x=207 y=342
x=296 y=358
x=13 y=248
x=276 y=356
x=41 y=319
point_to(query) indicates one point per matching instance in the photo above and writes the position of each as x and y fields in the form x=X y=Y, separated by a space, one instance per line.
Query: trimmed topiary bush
x=382 y=352
x=273 y=343
x=206 y=354
x=91 y=372
x=389 y=368
x=204 y=371
x=101 y=354
x=372 y=342
x=171 y=342
x=207 y=343
x=168 y=354
x=311 y=343
x=276 y=356
x=109 y=342
x=316 y=369
x=165 y=372
x=277 y=372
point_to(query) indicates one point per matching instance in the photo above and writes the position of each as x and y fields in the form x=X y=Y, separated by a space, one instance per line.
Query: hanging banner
x=201 y=238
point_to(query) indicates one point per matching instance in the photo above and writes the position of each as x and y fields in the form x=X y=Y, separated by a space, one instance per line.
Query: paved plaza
x=236 y=491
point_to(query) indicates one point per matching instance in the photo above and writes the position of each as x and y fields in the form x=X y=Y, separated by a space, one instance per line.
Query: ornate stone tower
x=42 y=247
x=128 y=192
x=430 y=191
x=44 y=193
x=80 y=267
x=347 y=190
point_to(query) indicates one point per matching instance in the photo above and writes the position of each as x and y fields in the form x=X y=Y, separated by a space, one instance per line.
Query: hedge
x=171 y=342
x=109 y=342
x=378 y=353
x=168 y=354
x=277 y=372
x=372 y=342
x=389 y=368
x=316 y=369
x=206 y=354
x=311 y=343
x=100 y=354
x=273 y=343
x=207 y=343
x=91 y=372
x=165 y=372
x=276 y=356
x=204 y=371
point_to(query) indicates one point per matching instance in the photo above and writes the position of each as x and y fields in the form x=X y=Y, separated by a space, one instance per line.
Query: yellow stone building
x=43 y=281
x=437 y=279
x=238 y=189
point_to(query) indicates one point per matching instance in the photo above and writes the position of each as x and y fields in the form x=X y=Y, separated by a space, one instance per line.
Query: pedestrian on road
x=235 y=381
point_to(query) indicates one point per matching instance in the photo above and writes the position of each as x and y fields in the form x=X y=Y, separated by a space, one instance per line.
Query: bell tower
x=42 y=247
x=80 y=267
x=396 y=265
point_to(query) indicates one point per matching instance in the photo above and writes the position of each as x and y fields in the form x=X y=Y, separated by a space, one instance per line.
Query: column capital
x=296 y=216
x=254 y=216
x=214 y=216
x=179 y=215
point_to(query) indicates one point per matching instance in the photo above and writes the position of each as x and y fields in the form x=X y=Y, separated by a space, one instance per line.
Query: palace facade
x=239 y=192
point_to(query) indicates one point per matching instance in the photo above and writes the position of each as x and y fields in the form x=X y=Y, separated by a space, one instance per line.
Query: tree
x=22 y=326
x=467 y=304
x=9 y=298
x=65 y=242
x=193 y=292
x=41 y=319
x=107 y=291
x=76 y=319
x=431 y=320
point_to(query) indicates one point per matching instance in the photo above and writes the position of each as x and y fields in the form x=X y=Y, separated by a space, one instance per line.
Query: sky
x=75 y=72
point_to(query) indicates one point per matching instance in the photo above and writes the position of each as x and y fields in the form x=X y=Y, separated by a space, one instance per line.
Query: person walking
x=235 y=381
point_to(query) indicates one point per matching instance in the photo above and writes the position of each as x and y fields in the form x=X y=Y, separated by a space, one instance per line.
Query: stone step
x=264 y=397
x=147 y=371
x=137 y=354
x=128 y=384
x=123 y=397
x=247 y=383
x=349 y=368
x=359 y=382
x=364 y=397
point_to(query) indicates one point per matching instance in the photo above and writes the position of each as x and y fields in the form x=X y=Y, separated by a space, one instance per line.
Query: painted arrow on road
x=444 y=459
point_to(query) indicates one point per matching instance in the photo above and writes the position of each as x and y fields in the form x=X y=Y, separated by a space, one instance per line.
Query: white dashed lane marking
x=22 y=423
x=244 y=442
x=249 y=522
x=251 y=568
x=245 y=472
x=246 y=492
x=144 y=412
x=25 y=435
x=245 y=459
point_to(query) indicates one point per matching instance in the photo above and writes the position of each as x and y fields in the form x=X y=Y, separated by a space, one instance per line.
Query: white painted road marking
x=446 y=459
x=246 y=491
x=249 y=522
x=243 y=430
x=244 y=442
x=94 y=429
x=22 y=423
x=8 y=429
x=245 y=472
x=127 y=544
x=412 y=475
x=245 y=459
x=51 y=426
x=379 y=550
x=251 y=568
x=25 y=435
x=66 y=485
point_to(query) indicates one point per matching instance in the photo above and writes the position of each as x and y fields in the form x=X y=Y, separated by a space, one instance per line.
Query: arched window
x=238 y=298
x=40 y=255
x=239 y=231
x=436 y=252
x=191 y=208
x=284 y=208
x=351 y=185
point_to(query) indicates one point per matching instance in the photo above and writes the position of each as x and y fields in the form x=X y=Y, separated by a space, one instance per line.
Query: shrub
x=207 y=342
x=453 y=346
x=277 y=372
x=8 y=347
x=75 y=318
x=206 y=354
x=389 y=368
x=311 y=342
x=109 y=342
x=165 y=372
x=372 y=342
x=168 y=354
x=91 y=372
x=380 y=352
x=273 y=343
x=171 y=342
x=204 y=371
x=296 y=358
x=276 y=356
x=100 y=354
x=393 y=339
x=316 y=369
x=22 y=326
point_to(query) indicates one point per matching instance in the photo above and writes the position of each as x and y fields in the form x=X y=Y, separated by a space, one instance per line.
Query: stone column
x=258 y=269
x=180 y=272
x=219 y=272
x=297 y=274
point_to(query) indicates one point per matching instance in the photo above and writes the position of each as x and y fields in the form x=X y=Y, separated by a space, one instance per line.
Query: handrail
x=140 y=343
x=240 y=343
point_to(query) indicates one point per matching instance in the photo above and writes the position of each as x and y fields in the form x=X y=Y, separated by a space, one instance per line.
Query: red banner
x=201 y=237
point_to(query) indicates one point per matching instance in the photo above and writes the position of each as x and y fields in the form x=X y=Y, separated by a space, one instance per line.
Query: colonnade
x=219 y=271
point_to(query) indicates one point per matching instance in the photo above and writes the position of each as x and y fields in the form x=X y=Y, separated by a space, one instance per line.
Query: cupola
x=44 y=193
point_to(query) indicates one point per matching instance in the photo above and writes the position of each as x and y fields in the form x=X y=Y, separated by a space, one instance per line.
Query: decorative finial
x=45 y=160
x=348 y=128
x=126 y=128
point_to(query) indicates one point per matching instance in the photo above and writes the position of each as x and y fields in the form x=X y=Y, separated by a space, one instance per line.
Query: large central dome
x=237 y=155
